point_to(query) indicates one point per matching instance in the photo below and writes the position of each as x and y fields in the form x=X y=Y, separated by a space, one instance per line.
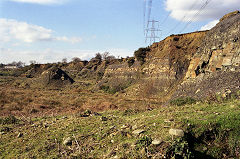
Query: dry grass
x=28 y=101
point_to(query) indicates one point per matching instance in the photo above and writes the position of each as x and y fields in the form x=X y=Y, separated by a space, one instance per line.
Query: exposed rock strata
x=215 y=68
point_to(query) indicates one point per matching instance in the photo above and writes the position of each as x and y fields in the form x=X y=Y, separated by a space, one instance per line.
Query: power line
x=144 y=15
x=194 y=17
x=183 y=18
x=165 y=19
x=149 y=14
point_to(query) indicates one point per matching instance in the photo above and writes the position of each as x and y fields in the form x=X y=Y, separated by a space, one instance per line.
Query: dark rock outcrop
x=215 y=68
x=55 y=77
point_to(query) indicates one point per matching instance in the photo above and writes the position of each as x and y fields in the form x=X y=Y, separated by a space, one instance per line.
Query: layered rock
x=215 y=68
x=220 y=50
x=165 y=65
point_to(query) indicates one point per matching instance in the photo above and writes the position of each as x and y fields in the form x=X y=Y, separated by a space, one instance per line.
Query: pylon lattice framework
x=152 y=33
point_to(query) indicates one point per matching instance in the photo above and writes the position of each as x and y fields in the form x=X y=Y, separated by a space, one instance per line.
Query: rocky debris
x=103 y=118
x=134 y=127
x=2 y=133
x=156 y=142
x=126 y=127
x=68 y=141
x=166 y=126
x=4 y=130
x=138 y=131
x=143 y=151
x=86 y=113
x=168 y=120
x=176 y=132
x=19 y=135
x=215 y=85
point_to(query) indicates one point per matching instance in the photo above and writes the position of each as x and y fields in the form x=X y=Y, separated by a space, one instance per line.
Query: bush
x=144 y=142
x=112 y=90
x=183 y=101
x=179 y=149
x=9 y=120
x=130 y=61
x=140 y=54
x=116 y=85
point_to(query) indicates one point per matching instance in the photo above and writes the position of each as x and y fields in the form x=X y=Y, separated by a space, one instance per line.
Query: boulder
x=138 y=131
x=156 y=142
x=176 y=132
x=67 y=141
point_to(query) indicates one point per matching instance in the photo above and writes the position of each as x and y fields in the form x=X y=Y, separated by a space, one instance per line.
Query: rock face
x=220 y=50
x=165 y=65
x=215 y=67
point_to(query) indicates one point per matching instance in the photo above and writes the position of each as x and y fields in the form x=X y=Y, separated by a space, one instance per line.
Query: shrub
x=130 y=61
x=179 y=149
x=9 y=120
x=183 y=101
x=100 y=75
x=140 y=54
x=105 y=88
x=145 y=141
x=116 y=85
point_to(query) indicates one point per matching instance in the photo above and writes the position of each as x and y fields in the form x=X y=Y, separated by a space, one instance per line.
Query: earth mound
x=55 y=77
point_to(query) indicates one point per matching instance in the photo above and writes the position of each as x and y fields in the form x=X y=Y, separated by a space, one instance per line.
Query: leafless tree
x=76 y=59
x=64 y=60
x=32 y=62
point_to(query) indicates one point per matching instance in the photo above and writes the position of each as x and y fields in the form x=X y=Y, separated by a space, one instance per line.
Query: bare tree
x=20 y=64
x=64 y=60
x=111 y=57
x=32 y=62
x=98 y=56
x=14 y=63
x=105 y=55
x=76 y=59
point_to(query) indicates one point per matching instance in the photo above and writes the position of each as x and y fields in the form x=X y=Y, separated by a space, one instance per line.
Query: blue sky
x=50 y=30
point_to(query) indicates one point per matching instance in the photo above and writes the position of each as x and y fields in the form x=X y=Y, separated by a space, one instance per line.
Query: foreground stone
x=176 y=132
x=138 y=132
x=68 y=141
x=156 y=142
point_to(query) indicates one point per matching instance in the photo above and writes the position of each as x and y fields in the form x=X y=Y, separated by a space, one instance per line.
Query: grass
x=214 y=128
x=46 y=117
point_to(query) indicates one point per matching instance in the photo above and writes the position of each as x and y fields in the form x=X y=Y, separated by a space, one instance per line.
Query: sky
x=50 y=30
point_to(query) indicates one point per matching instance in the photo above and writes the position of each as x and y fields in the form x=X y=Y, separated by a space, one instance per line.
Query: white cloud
x=188 y=8
x=41 y=1
x=72 y=40
x=52 y=55
x=14 y=30
x=209 y=25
